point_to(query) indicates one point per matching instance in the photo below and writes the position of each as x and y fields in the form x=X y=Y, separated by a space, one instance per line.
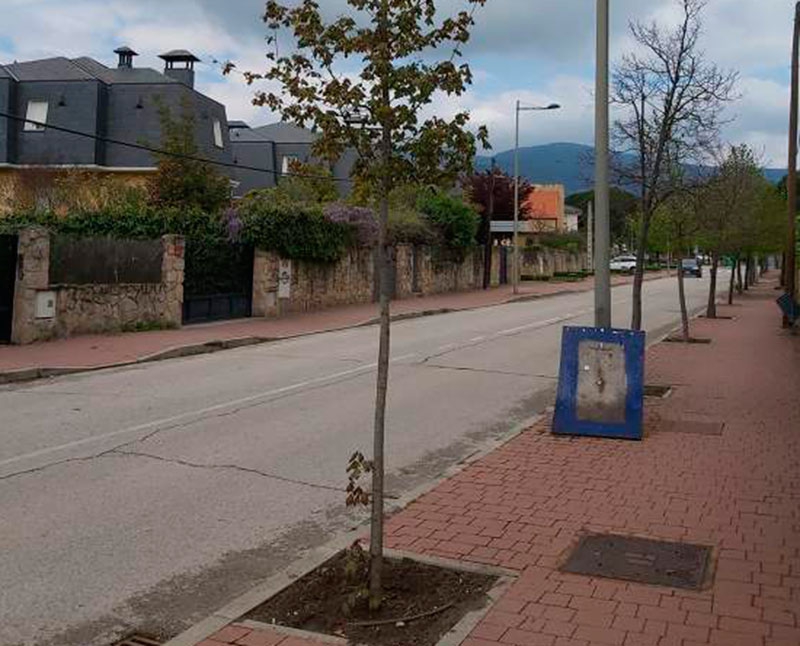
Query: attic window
x=37 y=111
x=218 y=134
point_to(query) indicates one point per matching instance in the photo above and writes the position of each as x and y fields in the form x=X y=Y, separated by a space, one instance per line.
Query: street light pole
x=791 y=179
x=519 y=108
x=602 y=250
x=515 y=277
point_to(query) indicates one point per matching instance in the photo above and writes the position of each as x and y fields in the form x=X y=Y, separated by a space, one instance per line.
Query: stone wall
x=311 y=286
x=545 y=263
x=82 y=309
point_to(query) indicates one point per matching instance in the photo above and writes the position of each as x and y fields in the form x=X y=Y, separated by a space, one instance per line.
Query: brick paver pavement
x=525 y=505
x=101 y=350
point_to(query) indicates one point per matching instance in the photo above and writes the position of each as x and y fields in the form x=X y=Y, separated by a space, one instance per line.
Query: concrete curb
x=316 y=557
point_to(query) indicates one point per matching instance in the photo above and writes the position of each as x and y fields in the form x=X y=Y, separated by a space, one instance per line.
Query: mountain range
x=563 y=163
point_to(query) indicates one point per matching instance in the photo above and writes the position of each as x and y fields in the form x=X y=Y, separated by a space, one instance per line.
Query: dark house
x=121 y=103
x=273 y=148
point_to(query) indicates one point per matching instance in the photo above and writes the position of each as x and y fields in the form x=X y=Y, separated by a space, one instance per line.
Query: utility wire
x=166 y=153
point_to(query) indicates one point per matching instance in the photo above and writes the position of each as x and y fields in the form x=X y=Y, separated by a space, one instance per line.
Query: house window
x=37 y=111
x=288 y=162
x=218 y=134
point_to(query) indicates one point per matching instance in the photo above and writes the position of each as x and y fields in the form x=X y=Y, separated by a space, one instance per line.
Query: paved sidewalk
x=525 y=505
x=93 y=351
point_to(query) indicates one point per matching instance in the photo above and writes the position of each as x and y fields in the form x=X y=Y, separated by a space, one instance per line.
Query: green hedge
x=299 y=232
x=454 y=222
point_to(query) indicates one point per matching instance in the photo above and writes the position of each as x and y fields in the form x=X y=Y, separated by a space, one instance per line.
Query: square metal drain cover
x=677 y=565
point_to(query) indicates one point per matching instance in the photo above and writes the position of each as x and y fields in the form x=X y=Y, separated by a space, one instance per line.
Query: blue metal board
x=568 y=419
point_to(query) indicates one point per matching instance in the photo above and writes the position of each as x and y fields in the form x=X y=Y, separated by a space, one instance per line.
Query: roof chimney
x=126 y=55
x=179 y=64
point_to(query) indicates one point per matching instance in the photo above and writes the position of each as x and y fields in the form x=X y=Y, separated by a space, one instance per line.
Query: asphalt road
x=148 y=497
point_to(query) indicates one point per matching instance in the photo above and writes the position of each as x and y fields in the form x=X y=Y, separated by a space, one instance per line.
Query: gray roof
x=237 y=124
x=111 y=75
x=82 y=69
x=125 y=50
x=48 y=69
x=285 y=133
x=247 y=135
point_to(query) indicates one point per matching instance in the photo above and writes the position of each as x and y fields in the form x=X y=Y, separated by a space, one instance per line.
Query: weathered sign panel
x=600 y=389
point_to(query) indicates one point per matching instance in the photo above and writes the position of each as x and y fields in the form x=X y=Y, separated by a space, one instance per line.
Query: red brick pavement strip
x=525 y=505
x=92 y=351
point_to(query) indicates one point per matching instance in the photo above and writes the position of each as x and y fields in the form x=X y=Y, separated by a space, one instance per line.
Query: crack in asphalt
x=221 y=467
x=488 y=371
x=118 y=451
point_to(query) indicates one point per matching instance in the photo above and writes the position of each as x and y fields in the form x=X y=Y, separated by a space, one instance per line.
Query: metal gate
x=218 y=281
x=8 y=275
x=504 y=265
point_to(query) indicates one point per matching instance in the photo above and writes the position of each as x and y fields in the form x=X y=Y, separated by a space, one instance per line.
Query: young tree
x=360 y=81
x=678 y=218
x=728 y=202
x=671 y=100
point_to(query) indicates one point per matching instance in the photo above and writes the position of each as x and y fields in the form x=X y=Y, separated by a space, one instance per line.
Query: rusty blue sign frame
x=566 y=420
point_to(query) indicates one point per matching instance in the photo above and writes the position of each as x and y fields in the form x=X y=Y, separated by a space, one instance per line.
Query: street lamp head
x=553 y=106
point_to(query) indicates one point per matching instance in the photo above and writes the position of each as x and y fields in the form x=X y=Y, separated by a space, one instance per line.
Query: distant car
x=691 y=267
x=623 y=263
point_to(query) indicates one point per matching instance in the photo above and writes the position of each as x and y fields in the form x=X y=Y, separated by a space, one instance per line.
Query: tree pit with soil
x=421 y=602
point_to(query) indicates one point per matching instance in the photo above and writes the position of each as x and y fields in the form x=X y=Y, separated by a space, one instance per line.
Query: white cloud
x=514 y=41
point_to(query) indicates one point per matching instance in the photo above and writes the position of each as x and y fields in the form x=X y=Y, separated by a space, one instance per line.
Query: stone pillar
x=33 y=269
x=494 y=279
x=265 y=284
x=172 y=270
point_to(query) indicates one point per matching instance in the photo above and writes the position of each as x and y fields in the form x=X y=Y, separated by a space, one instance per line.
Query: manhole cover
x=138 y=640
x=677 y=565
x=694 y=426
x=654 y=390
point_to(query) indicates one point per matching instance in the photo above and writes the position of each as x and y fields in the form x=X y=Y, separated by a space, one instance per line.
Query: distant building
x=271 y=149
x=572 y=216
x=546 y=207
x=121 y=103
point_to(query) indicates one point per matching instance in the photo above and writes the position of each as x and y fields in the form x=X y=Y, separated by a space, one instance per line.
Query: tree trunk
x=684 y=310
x=747 y=262
x=734 y=262
x=739 y=284
x=382 y=381
x=711 y=310
x=782 y=282
x=638 y=276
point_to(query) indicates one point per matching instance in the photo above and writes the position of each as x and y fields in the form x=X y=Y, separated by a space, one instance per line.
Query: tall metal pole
x=791 y=180
x=515 y=277
x=590 y=235
x=602 y=275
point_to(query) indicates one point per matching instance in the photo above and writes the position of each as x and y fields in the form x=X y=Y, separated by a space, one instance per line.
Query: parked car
x=623 y=263
x=691 y=267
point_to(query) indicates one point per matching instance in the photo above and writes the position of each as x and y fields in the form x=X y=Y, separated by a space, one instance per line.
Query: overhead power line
x=167 y=153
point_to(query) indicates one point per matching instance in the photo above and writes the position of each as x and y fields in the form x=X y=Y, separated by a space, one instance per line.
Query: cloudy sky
x=539 y=51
